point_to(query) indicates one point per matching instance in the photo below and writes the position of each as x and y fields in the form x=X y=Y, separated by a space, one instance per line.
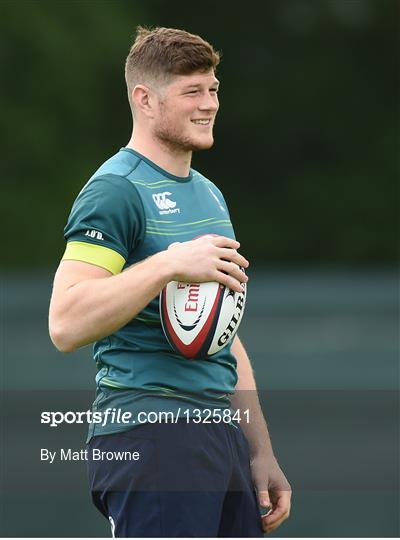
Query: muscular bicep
x=68 y=274
x=67 y=304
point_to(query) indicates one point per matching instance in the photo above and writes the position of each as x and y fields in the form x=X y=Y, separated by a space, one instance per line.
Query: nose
x=209 y=103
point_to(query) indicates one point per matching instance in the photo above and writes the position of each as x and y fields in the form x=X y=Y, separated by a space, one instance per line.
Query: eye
x=214 y=90
x=191 y=92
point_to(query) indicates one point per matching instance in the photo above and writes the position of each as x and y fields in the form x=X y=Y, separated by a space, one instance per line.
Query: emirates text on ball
x=192 y=303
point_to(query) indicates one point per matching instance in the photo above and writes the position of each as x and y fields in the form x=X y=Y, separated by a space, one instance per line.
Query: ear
x=143 y=100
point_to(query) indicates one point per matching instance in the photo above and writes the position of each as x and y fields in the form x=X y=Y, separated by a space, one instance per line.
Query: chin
x=203 y=145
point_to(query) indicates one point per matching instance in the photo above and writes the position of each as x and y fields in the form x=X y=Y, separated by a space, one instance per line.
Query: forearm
x=94 y=308
x=88 y=303
x=273 y=489
x=246 y=397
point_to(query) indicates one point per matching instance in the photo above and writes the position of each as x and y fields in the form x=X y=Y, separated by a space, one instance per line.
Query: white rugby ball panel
x=189 y=306
x=199 y=319
x=189 y=315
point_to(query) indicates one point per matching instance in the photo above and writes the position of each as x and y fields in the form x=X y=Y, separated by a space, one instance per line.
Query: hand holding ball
x=200 y=319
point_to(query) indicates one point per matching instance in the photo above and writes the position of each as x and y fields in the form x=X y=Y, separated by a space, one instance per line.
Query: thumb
x=263 y=499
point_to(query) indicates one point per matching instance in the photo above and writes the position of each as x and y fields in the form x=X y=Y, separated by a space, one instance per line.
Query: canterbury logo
x=165 y=205
x=162 y=202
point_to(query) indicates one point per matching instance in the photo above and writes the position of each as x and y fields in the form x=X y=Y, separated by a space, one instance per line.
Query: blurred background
x=306 y=154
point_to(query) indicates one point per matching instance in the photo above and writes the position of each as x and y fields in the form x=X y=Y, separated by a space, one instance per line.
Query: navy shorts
x=189 y=480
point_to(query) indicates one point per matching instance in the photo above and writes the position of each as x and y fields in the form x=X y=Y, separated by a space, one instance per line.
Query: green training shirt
x=129 y=210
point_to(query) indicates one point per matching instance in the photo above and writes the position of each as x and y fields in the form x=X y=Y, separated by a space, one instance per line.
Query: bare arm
x=89 y=303
x=256 y=430
x=273 y=489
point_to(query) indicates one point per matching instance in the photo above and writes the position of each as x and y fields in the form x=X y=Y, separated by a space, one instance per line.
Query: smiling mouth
x=202 y=122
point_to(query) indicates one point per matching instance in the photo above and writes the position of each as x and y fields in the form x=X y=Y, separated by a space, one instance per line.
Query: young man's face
x=186 y=112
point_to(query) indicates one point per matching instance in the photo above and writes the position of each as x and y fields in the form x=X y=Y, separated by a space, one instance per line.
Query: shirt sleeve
x=105 y=224
x=217 y=193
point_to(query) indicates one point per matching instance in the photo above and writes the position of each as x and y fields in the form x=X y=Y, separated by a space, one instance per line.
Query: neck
x=173 y=160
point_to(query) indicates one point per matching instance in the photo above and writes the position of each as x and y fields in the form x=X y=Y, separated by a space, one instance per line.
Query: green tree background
x=306 y=139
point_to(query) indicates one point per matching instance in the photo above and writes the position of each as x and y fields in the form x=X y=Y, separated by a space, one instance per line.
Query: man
x=146 y=218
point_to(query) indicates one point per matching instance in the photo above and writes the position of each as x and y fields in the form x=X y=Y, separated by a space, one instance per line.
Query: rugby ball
x=200 y=319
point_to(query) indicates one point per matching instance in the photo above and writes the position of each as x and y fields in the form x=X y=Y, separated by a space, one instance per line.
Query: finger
x=263 y=499
x=233 y=269
x=223 y=241
x=234 y=256
x=280 y=512
x=269 y=528
x=272 y=519
x=228 y=281
x=277 y=515
x=275 y=518
x=281 y=500
x=173 y=244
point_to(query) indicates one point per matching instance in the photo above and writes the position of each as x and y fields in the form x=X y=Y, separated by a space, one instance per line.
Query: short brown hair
x=160 y=53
